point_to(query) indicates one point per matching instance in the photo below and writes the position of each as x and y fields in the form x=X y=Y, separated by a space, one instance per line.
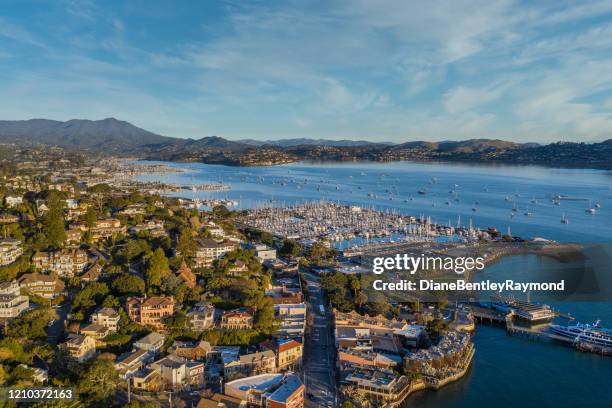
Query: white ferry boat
x=586 y=333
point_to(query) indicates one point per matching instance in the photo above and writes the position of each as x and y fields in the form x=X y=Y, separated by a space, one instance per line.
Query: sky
x=365 y=70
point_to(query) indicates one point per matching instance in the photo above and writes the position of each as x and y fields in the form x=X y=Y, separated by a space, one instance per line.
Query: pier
x=539 y=332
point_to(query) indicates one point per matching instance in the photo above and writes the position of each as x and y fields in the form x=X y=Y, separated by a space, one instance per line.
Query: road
x=57 y=328
x=319 y=359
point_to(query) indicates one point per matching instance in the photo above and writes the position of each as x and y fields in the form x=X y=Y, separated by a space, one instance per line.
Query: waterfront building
x=380 y=385
x=10 y=250
x=451 y=355
x=150 y=311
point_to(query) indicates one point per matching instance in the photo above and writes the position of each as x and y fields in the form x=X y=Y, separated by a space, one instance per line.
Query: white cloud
x=463 y=99
x=451 y=69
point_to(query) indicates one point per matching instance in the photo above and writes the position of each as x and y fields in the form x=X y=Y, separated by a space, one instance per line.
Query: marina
x=393 y=187
x=508 y=188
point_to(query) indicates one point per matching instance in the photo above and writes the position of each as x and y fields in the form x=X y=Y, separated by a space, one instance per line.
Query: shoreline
x=471 y=163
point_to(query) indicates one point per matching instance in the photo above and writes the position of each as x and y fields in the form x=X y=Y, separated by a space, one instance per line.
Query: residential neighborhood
x=174 y=302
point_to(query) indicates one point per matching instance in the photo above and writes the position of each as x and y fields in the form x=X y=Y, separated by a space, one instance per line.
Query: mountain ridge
x=118 y=137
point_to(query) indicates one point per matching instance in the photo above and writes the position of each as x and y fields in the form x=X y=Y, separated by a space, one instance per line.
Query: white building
x=107 y=317
x=10 y=250
x=264 y=252
x=151 y=342
x=13 y=305
x=12 y=201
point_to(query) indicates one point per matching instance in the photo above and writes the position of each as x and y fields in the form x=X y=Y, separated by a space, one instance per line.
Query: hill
x=118 y=137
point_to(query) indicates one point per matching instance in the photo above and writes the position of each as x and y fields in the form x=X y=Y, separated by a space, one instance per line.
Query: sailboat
x=564 y=220
x=591 y=210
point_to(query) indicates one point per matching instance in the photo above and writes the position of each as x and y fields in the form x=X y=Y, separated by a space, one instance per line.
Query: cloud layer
x=384 y=70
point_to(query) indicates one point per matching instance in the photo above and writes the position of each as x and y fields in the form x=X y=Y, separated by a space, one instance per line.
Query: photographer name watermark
x=465 y=286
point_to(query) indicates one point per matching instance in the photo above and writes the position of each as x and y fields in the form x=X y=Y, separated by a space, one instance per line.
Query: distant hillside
x=122 y=138
x=312 y=142
x=100 y=135
x=464 y=146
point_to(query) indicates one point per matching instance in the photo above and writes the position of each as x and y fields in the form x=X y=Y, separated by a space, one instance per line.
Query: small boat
x=422 y=192
x=564 y=220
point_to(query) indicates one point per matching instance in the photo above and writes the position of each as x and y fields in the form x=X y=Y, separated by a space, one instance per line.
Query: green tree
x=290 y=248
x=220 y=211
x=157 y=268
x=186 y=245
x=99 y=381
x=91 y=216
x=128 y=285
x=89 y=296
x=54 y=227
x=265 y=321
x=31 y=324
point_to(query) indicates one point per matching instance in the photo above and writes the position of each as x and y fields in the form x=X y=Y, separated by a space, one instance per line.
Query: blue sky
x=375 y=70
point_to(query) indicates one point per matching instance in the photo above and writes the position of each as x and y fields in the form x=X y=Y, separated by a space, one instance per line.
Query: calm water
x=487 y=185
x=507 y=371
